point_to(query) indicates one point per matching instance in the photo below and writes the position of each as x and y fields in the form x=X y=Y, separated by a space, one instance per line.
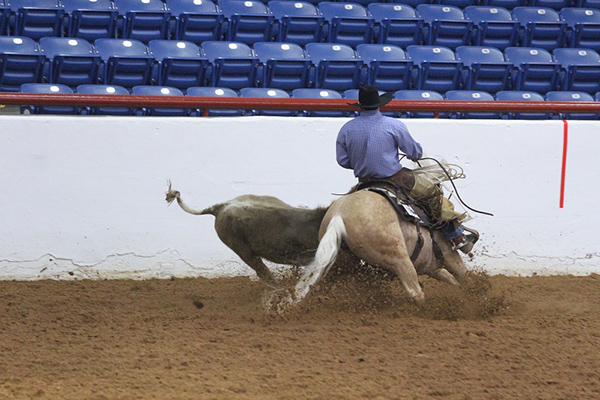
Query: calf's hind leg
x=262 y=271
x=243 y=250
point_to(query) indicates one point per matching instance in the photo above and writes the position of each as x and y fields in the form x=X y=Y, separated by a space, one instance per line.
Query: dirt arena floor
x=498 y=338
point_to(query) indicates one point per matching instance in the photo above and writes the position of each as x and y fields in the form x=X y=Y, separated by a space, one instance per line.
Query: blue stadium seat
x=588 y=3
x=307 y=93
x=91 y=19
x=471 y=95
x=144 y=20
x=412 y=3
x=108 y=90
x=37 y=18
x=510 y=95
x=437 y=68
x=196 y=20
x=419 y=95
x=364 y=3
x=485 y=68
x=72 y=61
x=554 y=4
x=267 y=93
x=296 y=21
x=535 y=69
x=445 y=25
x=583 y=27
x=572 y=96
x=338 y=67
x=47 y=88
x=347 y=23
x=125 y=62
x=458 y=3
x=215 y=92
x=179 y=63
x=396 y=24
x=4 y=18
x=249 y=21
x=541 y=27
x=509 y=4
x=283 y=65
x=353 y=94
x=388 y=68
x=145 y=90
x=234 y=64
x=494 y=27
x=581 y=69
x=313 y=2
x=21 y=61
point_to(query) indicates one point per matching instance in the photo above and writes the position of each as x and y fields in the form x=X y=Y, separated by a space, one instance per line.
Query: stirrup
x=468 y=242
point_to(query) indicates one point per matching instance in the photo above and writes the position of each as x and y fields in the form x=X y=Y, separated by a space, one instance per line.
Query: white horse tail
x=327 y=252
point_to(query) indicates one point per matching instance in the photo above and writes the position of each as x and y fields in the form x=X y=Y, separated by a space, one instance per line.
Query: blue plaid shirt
x=369 y=145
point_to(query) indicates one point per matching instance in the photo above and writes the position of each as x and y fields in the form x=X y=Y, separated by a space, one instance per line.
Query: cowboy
x=369 y=143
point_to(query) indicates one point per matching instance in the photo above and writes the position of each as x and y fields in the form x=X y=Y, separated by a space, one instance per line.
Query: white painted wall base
x=84 y=197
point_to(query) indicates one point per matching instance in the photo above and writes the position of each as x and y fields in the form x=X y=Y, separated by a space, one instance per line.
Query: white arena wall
x=83 y=197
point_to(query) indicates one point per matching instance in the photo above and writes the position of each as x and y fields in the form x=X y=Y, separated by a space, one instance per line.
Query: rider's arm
x=341 y=151
x=407 y=144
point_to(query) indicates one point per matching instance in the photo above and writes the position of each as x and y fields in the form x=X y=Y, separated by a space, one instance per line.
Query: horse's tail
x=174 y=194
x=327 y=252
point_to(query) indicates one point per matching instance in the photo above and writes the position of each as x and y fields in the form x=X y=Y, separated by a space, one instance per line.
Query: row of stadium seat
x=510 y=4
x=411 y=95
x=252 y=21
x=288 y=66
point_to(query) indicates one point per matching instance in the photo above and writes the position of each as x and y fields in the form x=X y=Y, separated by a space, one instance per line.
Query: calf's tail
x=174 y=194
x=327 y=252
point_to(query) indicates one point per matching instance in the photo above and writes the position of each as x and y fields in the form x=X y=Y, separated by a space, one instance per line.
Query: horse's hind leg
x=400 y=264
x=386 y=252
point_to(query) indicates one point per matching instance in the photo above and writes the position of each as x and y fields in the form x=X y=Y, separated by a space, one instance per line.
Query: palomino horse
x=370 y=227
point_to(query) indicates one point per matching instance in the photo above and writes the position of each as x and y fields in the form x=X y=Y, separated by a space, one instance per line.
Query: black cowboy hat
x=369 y=98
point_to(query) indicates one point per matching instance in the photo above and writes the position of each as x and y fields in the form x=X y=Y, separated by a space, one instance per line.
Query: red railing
x=291 y=103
